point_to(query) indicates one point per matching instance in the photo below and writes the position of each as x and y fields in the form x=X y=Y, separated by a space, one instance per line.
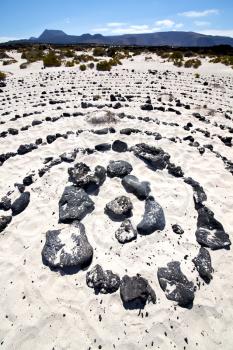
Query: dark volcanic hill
x=172 y=38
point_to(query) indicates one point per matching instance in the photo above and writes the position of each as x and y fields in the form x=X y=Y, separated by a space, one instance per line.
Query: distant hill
x=173 y=38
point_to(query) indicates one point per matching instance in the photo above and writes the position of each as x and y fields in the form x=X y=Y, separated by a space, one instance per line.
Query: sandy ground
x=42 y=309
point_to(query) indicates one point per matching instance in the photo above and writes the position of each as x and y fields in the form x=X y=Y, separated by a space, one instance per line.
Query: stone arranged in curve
x=203 y=264
x=67 y=247
x=74 y=204
x=126 y=232
x=153 y=218
x=210 y=232
x=104 y=282
x=176 y=285
x=120 y=208
x=135 y=292
x=140 y=189
x=119 y=168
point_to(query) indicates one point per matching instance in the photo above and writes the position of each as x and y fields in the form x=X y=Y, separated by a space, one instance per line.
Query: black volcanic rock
x=4 y=221
x=67 y=248
x=140 y=189
x=210 y=232
x=153 y=218
x=119 y=208
x=104 y=282
x=154 y=157
x=203 y=264
x=119 y=168
x=21 y=203
x=136 y=292
x=82 y=176
x=74 y=204
x=126 y=232
x=175 y=284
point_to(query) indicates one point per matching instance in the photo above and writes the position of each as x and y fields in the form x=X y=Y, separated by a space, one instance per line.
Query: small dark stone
x=5 y=203
x=4 y=221
x=177 y=229
x=103 y=147
x=119 y=146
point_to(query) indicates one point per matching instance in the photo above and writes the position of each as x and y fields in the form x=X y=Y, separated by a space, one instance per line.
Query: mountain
x=173 y=38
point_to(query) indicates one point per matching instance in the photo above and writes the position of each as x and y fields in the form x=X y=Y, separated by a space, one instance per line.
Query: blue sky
x=25 y=18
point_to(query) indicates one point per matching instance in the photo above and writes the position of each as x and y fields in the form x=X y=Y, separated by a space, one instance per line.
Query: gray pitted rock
x=119 y=208
x=176 y=285
x=67 y=248
x=210 y=232
x=82 y=176
x=4 y=221
x=21 y=203
x=203 y=264
x=140 y=189
x=136 y=292
x=156 y=158
x=74 y=204
x=126 y=232
x=153 y=218
x=102 y=281
x=119 y=168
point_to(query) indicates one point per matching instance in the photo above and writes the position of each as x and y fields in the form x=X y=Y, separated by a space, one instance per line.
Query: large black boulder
x=74 y=204
x=210 y=232
x=136 y=292
x=102 y=281
x=153 y=218
x=140 y=189
x=21 y=203
x=176 y=285
x=67 y=248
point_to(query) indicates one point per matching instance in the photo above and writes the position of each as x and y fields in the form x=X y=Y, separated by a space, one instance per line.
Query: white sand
x=41 y=309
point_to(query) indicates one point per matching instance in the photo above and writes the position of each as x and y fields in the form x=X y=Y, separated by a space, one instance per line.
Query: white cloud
x=202 y=23
x=220 y=32
x=99 y=30
x=116 y=24
x=4 y=39
x=196 y=14
x=118 y=28
x=179 y=25
x=167 y=23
